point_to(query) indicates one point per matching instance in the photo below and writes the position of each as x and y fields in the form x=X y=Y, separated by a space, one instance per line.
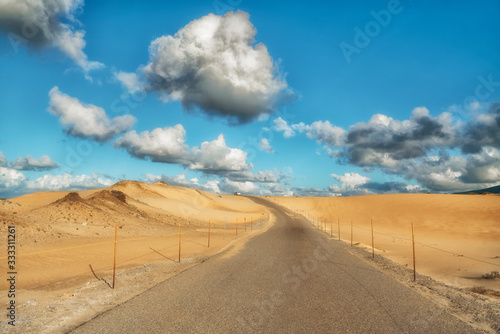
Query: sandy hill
x=49 y=216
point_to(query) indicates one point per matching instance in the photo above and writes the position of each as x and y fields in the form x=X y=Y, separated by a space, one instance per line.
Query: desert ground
x=457 y=237
x=65 y=240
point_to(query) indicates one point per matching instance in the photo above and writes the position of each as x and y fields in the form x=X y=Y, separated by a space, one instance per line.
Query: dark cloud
x=483 y=131
x=383 y=141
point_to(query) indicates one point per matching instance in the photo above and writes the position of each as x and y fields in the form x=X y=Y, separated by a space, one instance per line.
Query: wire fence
x=371 y=237
x=102 y=259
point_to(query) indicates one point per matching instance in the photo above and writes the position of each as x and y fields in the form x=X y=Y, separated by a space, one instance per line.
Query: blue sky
x=284 y=98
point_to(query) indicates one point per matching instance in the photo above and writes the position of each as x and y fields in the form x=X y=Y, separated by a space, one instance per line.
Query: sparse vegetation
x=492 y=275
x=118 y=194
x=487 y=292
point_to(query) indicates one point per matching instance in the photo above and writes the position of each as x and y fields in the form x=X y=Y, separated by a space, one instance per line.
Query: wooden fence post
x=114 y=254
x=338 y=226
x=413 y=243
x=373 y=246
x=351 y=232
x=179 y=241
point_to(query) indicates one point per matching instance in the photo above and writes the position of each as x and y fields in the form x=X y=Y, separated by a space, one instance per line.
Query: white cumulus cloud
x=214 y=64
x=167 y=145
x=160 y=145
x=86 y=120
x=216 y=156
x=10 y=178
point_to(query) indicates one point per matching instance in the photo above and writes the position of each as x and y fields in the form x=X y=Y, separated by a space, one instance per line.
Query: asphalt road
x=289 y=279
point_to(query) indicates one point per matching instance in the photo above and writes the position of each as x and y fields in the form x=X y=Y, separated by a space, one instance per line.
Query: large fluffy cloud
x=46 y=23
x=167 y=145
x=30 y=163
x=86 y=120
x=214 y=64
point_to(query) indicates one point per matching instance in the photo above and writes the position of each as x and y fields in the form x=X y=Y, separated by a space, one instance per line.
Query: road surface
x=291 y=278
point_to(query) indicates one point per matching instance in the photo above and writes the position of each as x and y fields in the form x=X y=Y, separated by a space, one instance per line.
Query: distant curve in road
x=289 y=279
